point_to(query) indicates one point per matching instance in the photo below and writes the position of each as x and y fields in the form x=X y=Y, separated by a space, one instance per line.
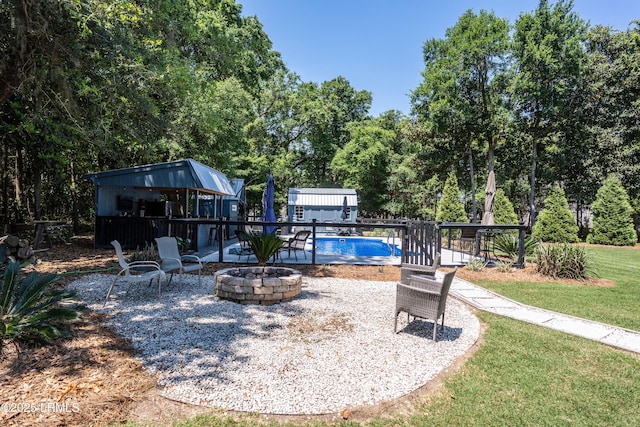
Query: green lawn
x=523 y=375
x=618 y=305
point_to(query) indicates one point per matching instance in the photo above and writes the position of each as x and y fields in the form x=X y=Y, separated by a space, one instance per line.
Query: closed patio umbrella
x=489 y=194
x=268 y=214
x=345 y=207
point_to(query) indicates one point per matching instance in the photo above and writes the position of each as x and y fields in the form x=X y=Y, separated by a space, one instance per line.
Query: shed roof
x=186 y=173
x=322 y=196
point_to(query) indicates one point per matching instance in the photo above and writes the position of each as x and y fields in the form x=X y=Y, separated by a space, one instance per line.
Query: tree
x=549 y=58
x=450 y=208
x=412 y=183
x=103 y=84
x=609 y=109
x=503 y=211
x=556 y=222
x=464 y=88
x=338 y=105
x=363 y=164
x=612 y=221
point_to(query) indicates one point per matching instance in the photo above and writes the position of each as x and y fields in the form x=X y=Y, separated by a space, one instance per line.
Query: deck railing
x=420 y=240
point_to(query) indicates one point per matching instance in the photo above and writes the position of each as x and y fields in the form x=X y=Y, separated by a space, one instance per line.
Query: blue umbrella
x=345 y=207
x=268 y=214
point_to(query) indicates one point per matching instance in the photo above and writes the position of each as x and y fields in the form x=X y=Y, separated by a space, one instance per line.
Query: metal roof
x=186 y=173
x=322 y=196
x=238 y=185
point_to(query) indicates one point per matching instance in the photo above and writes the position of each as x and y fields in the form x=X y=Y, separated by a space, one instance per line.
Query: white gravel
x=330 y=348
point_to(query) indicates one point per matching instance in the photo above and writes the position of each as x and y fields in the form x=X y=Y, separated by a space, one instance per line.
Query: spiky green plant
x=31 y=309
x=504 y=267
x=147 y=254
x=264 y=245
x=509 y=244
x=476 y=264
x=563 y=261
x=183 y=244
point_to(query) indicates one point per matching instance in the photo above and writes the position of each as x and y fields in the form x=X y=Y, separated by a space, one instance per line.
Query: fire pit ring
x=258 y=285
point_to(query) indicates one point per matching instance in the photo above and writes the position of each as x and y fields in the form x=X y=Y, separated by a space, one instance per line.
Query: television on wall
x=125 y=203
x=155 y=209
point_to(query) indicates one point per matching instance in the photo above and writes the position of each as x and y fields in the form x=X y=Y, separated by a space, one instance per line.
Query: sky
x=377 y=44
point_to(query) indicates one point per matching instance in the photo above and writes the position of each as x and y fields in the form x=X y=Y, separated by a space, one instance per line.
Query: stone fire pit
x=258 y=285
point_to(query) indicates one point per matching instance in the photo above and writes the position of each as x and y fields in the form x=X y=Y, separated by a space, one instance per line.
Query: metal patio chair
x=171 y=260
x=135 y=272
x=296 y=243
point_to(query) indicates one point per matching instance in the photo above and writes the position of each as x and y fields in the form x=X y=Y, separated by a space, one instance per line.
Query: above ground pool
x=356 y=246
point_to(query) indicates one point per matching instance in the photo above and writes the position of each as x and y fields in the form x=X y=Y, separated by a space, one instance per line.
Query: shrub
x=146 y=254
x=504 y=267
x=476 y=264
x=184 y=245
x=450 y=208
x=508 y=245
x=612 y=220
x=31 y=310
x=503 y=212
x=556 y=222
x=563 y=261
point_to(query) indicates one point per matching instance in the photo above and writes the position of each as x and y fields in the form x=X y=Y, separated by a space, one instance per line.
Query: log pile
x=14 y=248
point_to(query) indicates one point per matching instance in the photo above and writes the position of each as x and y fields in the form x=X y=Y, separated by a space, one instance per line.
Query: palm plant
x=31 y=310
x=264 y=245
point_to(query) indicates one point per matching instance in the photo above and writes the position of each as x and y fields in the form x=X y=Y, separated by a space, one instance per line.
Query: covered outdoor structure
x=134 y=205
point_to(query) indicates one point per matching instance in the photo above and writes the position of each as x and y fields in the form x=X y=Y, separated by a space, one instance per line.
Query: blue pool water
x=354 y=246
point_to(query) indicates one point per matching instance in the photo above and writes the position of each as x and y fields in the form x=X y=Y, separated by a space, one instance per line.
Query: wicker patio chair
x=409 y=270
x=425 y=298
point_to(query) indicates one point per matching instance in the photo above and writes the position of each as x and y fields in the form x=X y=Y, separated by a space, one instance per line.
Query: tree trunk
x=37 y=190
x=5 y=185
x=490 y=157
x=474 y=206
x=74 y=199
x=532 y=193
x=17 y=182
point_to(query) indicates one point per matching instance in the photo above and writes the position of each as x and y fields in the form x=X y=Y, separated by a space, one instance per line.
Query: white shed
x=323 y=205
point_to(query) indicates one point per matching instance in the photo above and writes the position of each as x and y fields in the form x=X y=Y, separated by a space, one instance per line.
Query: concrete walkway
x=491 y=302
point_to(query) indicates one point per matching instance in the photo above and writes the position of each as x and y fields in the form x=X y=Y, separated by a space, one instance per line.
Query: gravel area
x=331 y=348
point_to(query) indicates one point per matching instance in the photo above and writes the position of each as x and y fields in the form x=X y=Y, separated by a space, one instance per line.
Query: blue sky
x=377 y=45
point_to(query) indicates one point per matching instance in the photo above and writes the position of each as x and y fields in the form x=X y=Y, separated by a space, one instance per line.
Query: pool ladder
x=390 y=243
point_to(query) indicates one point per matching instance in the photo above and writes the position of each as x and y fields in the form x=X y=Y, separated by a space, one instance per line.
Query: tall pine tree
x=612 y=221
x=503 y=211
x=556 y=222
x=450 y=208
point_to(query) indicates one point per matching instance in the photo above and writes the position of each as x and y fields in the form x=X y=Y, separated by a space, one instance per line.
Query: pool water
x=354 y=246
